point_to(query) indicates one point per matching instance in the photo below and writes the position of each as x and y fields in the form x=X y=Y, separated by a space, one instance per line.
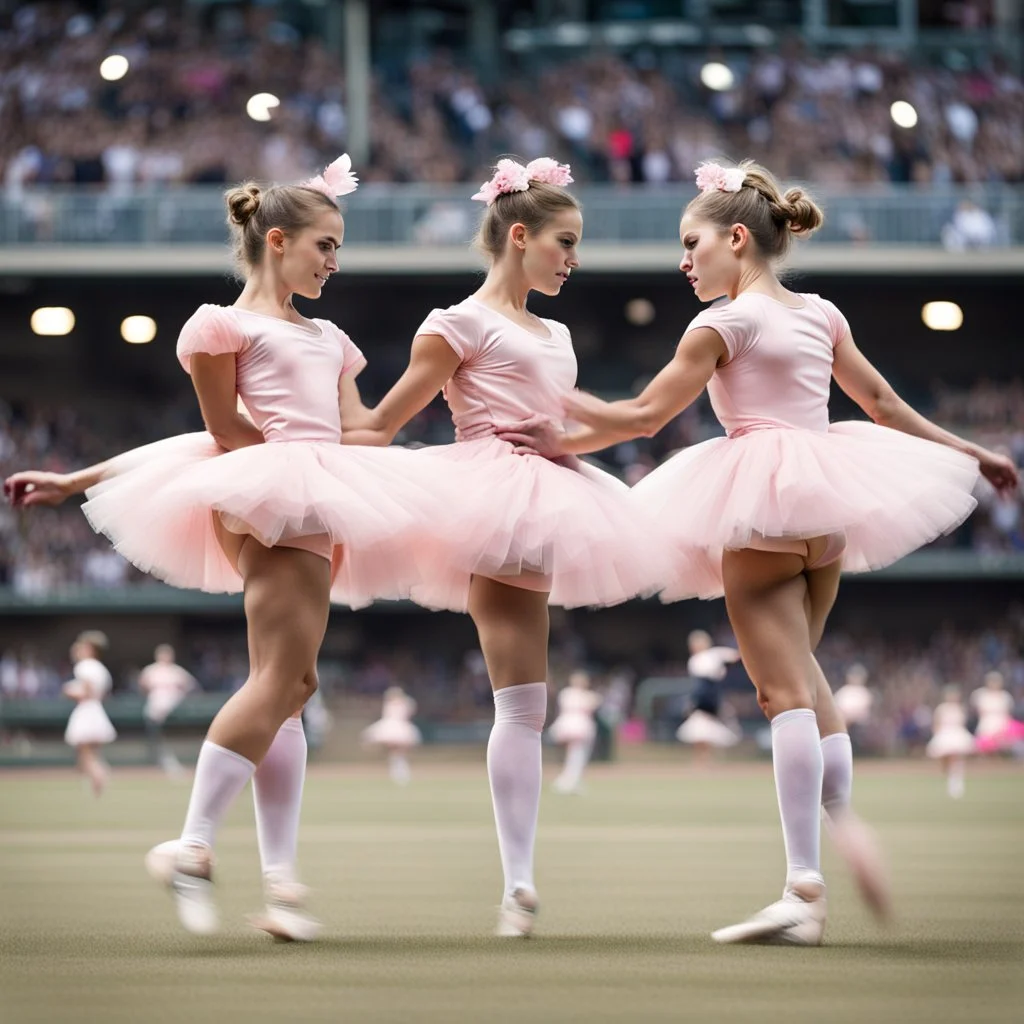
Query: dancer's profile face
x=307 y=258
x=709 y=260
x=549 y=255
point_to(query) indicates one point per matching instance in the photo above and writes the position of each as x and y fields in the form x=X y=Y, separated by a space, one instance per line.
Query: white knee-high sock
x=837 y=774
x=514 y=769
x=398 y=768
x=796 y=756
x=577 y=755
x=221 y=775
x=277 y=794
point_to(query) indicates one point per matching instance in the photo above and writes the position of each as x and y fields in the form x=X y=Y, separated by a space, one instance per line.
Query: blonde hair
x=772 y=217
x=253 y=211
x=532 y=208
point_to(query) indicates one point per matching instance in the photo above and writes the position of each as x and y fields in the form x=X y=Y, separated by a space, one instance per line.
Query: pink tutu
x=159 y=505
x=570 y=727
x=887 y=491
x=560 y=526
x=1007 y=738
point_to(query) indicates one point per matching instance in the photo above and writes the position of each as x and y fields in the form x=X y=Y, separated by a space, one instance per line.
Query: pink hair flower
x=712 y=177
x=549 y=171
x=337 y=179
x=508 y=177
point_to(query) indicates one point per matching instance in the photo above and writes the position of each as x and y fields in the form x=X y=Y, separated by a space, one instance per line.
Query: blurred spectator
x=178 y=116
x=971 y=228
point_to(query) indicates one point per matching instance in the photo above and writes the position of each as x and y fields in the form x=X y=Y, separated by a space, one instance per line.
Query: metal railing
x=415 y=215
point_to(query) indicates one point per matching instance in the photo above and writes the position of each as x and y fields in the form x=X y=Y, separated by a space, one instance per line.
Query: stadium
x=123 y=126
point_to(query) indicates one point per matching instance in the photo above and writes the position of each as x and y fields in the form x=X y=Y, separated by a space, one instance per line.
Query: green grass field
x=632 y=876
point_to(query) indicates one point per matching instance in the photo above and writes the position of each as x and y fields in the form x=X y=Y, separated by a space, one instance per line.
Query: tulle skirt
x=954 y=741
x=701 y=727
x=573 y=728
x=1009 y=736
x=559 y=526
x=888 y=492
x=163 y=503
x=89 y=724
x=392 y=732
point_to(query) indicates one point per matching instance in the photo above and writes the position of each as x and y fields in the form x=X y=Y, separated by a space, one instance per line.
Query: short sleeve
x=211 y=330
x=352 y=359
x=94 y=675
x=457 y=327
x=734 y=326
x=838 y=325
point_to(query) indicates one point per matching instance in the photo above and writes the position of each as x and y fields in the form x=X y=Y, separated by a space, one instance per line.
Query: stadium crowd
x=178 y=115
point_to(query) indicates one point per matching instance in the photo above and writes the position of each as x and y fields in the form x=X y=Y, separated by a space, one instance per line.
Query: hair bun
x=802 y=213
x=243 y=202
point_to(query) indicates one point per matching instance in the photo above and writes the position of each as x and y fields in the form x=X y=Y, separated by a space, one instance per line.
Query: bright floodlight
x=138 y=330
x=718 y=77
x=53 y=321
x=903 y=114
x=639 y=312
x=114 y=67
x=260 y=106
x=942 y=316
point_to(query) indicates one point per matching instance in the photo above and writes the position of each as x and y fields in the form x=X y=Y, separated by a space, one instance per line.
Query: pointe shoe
x=798 y=919
x=188 y=872
x=285 y=915
x=160 y=861
x=517 y=914
x=857 y=845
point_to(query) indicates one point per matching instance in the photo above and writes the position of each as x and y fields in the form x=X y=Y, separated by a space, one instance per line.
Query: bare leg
x=512 y=624
x=92 y=767
x=766 y=594
x=286 y=605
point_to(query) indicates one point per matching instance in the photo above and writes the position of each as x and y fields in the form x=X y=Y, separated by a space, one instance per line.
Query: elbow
x=884 y=407
x=646 y=423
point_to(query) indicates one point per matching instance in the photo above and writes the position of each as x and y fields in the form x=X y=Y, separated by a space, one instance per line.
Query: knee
x=774 y=698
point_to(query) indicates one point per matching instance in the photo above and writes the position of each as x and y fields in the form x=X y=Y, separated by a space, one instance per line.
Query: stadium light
x=639 y=312
x=53 y=321
x=942 y=316
x=260 y=106
x=138 y=330
x=114 y=67
x=903 y=113
x=717 y=77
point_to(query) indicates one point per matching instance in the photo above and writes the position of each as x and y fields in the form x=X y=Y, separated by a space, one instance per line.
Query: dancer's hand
x=35 y=487
x=536 y=435
x=999 y=470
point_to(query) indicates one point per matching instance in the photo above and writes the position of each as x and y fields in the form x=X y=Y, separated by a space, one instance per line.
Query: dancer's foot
x=859 y=848
x=798 y=919
x=285 y=916
x=517 y=914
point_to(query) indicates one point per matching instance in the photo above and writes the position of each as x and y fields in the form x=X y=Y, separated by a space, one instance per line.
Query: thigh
x=287 y=601
x=822 y=589
x=764 y=595
x=512 y=624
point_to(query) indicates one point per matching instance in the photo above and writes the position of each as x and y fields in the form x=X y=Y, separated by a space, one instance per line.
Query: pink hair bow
x=337 y=179
x=712 y=177
x=510 y=176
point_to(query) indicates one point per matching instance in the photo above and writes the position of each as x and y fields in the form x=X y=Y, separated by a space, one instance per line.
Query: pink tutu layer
x=887 y=491
x=951 y=742
x=1008 y=737
x=569 y=527
x=392 y=732
x=159 y=505
x=573 y=729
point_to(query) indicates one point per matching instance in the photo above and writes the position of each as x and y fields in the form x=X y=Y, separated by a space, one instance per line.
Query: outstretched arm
x=607 y=423
x=37 y=487
x=859 y=379
x=432 y=362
